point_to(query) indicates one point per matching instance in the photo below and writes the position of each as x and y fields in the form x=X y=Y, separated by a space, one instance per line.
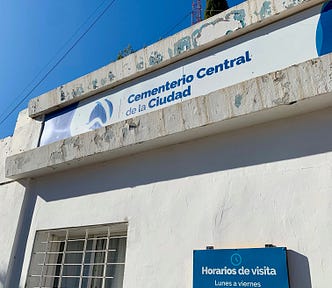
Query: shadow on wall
x=2 y=279
x=299 y=270
x=298 y=266
x=271 y=142
x=276 y=141
x=12 y=278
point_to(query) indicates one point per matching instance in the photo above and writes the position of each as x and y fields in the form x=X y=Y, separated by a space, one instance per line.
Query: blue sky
x=36 y=34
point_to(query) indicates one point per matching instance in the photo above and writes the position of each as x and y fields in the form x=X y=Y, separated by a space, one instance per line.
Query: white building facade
x=217 y=136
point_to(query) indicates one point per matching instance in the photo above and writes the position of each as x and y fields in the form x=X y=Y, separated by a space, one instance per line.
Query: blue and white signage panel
x=257 y=267
x=290 y=41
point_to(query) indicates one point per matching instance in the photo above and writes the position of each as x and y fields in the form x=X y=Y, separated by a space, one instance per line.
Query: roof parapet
x=234 y=22
x=265 y=98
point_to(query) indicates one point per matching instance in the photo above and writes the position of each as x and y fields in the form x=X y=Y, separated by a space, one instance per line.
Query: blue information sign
x=256 y=267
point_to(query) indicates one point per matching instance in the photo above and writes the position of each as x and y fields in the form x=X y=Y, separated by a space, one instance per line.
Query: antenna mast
x=196 y=12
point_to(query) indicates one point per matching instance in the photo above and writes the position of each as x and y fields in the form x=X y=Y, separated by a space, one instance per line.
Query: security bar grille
x=88 y=257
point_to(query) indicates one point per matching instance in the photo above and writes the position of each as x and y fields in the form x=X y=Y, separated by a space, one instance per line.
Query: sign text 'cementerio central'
x=254 y=54
x=180 y=83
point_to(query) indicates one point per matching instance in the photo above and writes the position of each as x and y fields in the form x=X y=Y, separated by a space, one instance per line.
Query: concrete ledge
x=25 y=129
x=5 y=150
x=241 y=19
x=295 y=90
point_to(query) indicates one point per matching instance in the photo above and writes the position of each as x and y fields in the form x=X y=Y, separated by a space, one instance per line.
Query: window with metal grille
x=85 y=257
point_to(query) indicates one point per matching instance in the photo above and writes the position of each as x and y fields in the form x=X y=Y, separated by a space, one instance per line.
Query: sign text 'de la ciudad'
x=304 y=37
x=156 y=96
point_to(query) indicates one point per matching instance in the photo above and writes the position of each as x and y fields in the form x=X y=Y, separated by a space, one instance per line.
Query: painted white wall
x=12 y=194
x=264 y=184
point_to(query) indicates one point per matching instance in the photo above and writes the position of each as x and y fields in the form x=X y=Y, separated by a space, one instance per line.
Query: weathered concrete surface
x=12 y=194
x=229 y=24
x=254 y=101
x=5 y=151
x=6 y=211
x=25 y=138
x=26 y=134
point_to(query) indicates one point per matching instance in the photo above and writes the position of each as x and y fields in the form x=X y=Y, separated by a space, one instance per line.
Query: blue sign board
x=256 y=267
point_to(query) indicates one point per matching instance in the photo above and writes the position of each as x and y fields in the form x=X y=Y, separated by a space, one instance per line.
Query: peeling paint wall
x=273 y=92
x=26 y=128
x=168 y=50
